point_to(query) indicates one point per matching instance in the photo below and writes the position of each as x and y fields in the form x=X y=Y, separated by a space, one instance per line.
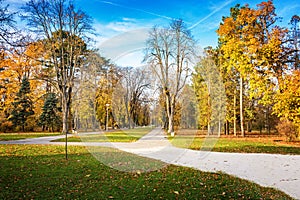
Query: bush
x=288 y=129
x=6 y=126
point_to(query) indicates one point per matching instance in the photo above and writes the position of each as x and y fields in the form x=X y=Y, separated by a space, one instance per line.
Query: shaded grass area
x=127 y=135
x=250 y=144
x=20 y=136
x=41 y=172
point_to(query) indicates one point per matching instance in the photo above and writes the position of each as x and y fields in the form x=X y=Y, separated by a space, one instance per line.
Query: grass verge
x=266 y=144
x=41 y=172
x=127 y=135
x=20 y=136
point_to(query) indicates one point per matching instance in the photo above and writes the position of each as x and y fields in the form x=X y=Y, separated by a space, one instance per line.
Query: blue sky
x=118 y=16
x=122 y=25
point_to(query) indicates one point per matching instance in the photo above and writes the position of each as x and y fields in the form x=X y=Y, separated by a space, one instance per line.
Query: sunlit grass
x=124 y=135
x=249 y=144
x=41 y=172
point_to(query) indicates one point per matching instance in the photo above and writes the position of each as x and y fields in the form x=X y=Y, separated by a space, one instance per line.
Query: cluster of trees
x=43 y=66
x=169 y=51
x=253 y=74
x=56 y=82
x=249 y=81
x=259 y=64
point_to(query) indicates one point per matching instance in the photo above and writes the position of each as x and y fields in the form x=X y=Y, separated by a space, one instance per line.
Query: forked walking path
x=272 y=170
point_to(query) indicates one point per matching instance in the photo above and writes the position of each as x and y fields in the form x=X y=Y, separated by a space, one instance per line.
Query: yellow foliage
x=17 y=64
x=288 y=98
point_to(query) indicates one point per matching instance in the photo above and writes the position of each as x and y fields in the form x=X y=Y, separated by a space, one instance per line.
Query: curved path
x=272 y=170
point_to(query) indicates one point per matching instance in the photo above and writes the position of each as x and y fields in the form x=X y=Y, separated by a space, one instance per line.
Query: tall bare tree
x=63 y=28
x=294 y=42
x=135 y=81
x=7 y=23
x=169 y=52
x=85 y=91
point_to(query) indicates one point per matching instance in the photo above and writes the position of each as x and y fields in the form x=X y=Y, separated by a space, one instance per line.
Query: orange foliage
x=15 y=65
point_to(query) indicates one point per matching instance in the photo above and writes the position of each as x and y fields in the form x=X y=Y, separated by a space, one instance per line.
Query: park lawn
x=20 y=136
x=125 y=135
x=41 y=172
x=249 y=144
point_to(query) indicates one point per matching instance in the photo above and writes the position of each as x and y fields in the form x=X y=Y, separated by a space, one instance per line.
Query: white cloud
x=133 y=59
x=124 y=44
x=122 y=41
x=121 y=26
x=106 y=31
x=129 y=19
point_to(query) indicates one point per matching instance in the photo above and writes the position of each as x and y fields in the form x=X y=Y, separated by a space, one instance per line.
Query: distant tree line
x=57 y=81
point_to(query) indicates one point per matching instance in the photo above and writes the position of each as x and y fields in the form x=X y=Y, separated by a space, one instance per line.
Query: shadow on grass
x=40 y=172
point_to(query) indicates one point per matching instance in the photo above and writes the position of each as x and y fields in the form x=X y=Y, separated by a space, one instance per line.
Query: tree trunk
x=127 y=114
x=268 y=121
x=234 y=113
x=66 y=103
x=226 y=128
x=171 y=116
x=241 y=108
x=65 y=118
x=219 y=128
x=65 y=124
x=249 y=126
x=170 y=111
x=171 y=124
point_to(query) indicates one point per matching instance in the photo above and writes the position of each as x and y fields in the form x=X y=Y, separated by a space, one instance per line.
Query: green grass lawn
x=237 y=145
x=41 y=172
x=231 y=145
x=19 y=136
x=127 y=135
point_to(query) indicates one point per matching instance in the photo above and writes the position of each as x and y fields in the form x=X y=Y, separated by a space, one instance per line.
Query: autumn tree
x=63 y=29
x=251 y=46
x=202 y=95
x=7 y=24
x=17 y=64
x=23 y=105
x=234 y=49
x=268 y=61
x=169 y=53
x=288 y=101
x=293 y=43
x=8 y=87
x=286 y=105
x=161 y=110
x=134 y=82
x=107 y=82
x=120 y=105
x=85 y=91
x=210 y=95
x=50 y=117
x=189 y=112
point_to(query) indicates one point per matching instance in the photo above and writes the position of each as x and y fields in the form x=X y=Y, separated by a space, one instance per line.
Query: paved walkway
x=272 y=170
